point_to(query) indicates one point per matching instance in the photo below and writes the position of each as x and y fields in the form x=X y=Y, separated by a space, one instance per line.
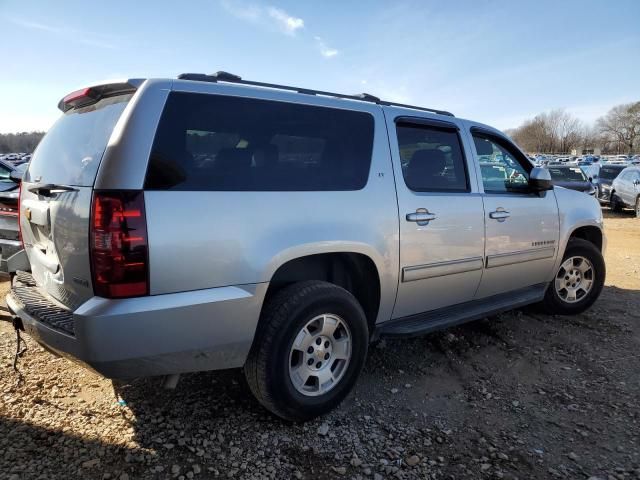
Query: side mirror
x=16 y=176
x=540 y=180
x=590 y=179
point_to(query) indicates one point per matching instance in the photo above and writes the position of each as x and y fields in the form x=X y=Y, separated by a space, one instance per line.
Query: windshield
x=608 y=173
x=70 y=153
x=567 y=174
x=493 y=172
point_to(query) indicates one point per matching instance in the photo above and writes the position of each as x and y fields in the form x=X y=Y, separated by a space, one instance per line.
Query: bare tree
x=19 y=142
x=621 y=126
x=555 y=131
x=568 y=131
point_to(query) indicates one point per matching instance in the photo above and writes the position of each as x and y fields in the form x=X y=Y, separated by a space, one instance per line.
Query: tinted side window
x=213 y=142
x=432 y=159
x=502 y=169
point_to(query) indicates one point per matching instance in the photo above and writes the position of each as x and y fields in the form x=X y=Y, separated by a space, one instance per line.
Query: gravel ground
x=522 y=395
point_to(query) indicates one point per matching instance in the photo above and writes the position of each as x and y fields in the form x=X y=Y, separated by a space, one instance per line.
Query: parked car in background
x=9 y=230
x=625 y=190
x=572 y=178
x=229 y=225
x=606 y=176
x=6 y=168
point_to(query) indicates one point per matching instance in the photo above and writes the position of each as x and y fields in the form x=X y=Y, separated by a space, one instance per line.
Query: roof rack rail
x=365 y=97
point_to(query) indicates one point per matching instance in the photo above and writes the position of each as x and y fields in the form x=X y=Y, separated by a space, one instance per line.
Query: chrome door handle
x=421 y=216
x=500 y=214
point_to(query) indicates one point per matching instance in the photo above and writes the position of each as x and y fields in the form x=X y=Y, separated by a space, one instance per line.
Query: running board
x=431 y=321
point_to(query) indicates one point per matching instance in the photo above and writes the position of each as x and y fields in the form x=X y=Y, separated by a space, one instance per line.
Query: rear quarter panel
x=210 y=239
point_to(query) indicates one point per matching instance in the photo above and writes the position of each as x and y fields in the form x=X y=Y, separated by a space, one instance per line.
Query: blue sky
x=497 y=62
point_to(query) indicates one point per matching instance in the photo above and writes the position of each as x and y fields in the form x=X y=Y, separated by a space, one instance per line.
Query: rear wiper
x=49 y=189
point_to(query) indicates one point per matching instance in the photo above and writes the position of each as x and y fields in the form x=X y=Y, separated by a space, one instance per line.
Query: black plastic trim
x=442 y=318
x=428 y=122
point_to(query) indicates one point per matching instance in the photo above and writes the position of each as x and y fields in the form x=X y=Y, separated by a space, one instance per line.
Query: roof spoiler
x=87 y=96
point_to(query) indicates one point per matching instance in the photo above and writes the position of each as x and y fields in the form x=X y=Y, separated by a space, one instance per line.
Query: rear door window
x=70 y=153
x=219 y=143
x=431 y=158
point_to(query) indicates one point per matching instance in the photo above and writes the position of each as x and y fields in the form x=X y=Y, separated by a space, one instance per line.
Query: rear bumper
x=155 y=335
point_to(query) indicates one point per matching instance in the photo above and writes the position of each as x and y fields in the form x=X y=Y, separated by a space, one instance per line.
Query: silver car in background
x=625 y=190
x=208 y=222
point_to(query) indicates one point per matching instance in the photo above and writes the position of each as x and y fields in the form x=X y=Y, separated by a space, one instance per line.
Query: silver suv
x=208 y=222
x=625 y=190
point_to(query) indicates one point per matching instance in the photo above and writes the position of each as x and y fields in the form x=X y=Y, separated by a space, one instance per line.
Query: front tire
x=578 y=281
x=309 y=349
x=614 y=203
x=638 y=207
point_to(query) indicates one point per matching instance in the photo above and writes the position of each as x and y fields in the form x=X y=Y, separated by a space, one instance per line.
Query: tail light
x=119 y=246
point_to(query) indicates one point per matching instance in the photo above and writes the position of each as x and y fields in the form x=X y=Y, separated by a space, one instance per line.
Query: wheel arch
x=356 y=272
x=590 y=233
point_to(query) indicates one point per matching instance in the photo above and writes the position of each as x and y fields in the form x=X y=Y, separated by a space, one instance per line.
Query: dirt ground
x=522 y=395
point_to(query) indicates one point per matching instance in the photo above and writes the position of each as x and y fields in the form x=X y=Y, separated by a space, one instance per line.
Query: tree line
x=20 y=142
x=557 y=131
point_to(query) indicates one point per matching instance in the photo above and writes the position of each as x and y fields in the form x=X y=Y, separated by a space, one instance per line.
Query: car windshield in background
x=609 y=173
x=567 y=174
x=70 y=153
x=4 y=174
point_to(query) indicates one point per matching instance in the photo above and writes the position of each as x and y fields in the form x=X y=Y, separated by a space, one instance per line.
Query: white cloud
x=79 y=36
x=269 y=16
x=288 y=24
x=246 y=12
x=324 y=49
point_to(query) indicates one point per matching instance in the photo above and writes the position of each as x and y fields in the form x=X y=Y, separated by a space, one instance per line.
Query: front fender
x=576 y=210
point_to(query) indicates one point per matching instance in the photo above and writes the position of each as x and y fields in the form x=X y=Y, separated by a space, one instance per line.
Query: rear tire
x=579 y=280
x=638 y=207
x=310 y=330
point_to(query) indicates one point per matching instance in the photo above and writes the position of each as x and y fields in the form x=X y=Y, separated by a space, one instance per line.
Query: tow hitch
x=21 y=345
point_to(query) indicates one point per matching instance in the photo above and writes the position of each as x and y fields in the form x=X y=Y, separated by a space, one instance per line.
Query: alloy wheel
x=574 y=279
x=320 y=355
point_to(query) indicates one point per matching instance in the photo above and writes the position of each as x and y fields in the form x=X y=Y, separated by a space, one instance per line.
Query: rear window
x=567 y=174
x=70 y=153
x=608 y=173
x=218 y=143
